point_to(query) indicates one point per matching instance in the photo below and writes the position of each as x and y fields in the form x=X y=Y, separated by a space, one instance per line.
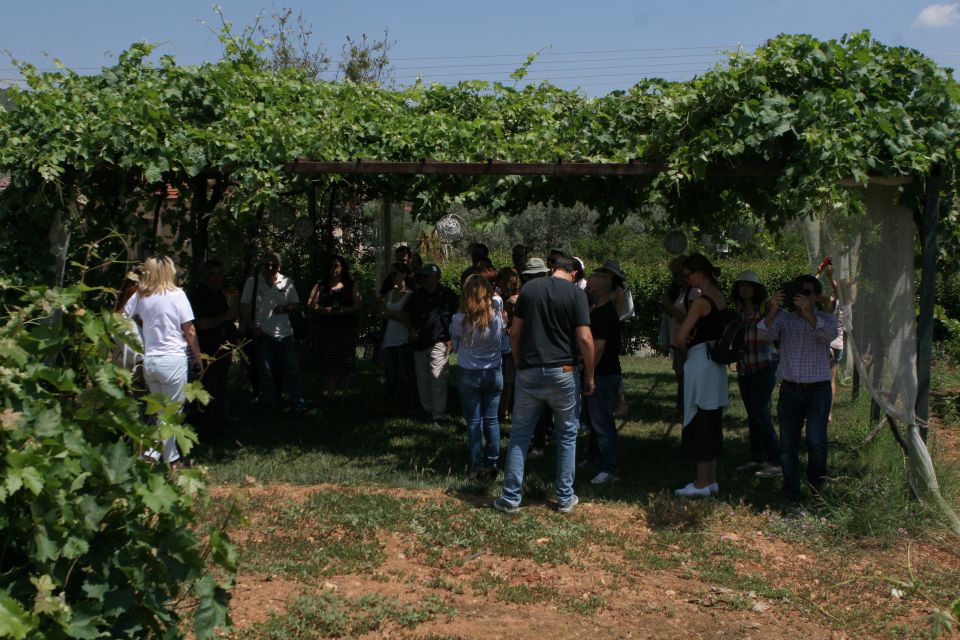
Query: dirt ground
x=637 y=602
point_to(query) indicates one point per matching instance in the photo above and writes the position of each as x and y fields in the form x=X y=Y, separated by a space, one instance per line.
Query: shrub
x=97 y=542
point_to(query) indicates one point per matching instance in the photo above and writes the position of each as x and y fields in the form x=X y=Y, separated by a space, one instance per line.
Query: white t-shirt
x=269 y=296
x=162 y=316
x=396 y=333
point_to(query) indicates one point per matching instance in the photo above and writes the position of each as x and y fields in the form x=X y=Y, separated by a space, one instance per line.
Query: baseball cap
x=429 y=270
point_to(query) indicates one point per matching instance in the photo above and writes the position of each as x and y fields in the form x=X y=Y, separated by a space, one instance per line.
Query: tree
x=366 y=61
x=287 y=40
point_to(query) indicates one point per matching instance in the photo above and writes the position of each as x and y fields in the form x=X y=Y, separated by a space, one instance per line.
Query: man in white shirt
x=266 y=305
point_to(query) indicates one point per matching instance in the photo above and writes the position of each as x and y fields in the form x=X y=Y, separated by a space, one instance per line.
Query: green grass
x=328 y=615
x=340 y=529
x=347 y=443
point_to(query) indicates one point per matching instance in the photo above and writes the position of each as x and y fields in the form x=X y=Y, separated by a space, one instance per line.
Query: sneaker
x=750 y=466
x=503 y=506
x=603 y=478
x=569 y=505
x=535 y=453
x=770 y=471
x=691 y=491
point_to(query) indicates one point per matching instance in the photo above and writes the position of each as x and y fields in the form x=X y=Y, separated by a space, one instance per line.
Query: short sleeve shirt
x=605 y=325
x=161 y=319
x=551 y=309
x=430 y=315
x=269 y=296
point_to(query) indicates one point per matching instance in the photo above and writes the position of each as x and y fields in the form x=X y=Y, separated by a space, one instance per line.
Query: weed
x=526 y=594
x=326 y=615
x=485 y=582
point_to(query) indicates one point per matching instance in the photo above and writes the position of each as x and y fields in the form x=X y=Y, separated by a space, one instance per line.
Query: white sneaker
x=749 y=466
x=603 y=478
x=691 y=491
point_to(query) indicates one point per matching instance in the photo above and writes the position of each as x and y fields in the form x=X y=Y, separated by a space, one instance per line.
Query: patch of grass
x=328 y=615
x=526 y=594
x=439 y=582
x=330 y=533
x=582 y=606
x=533 y=534
x=485 y=582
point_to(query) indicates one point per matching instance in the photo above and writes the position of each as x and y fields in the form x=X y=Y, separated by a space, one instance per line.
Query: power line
x=655 y=69
x=572 y=53
x=545 y=62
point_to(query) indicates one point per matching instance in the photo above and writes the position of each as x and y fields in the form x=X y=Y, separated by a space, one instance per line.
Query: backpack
x=729 y=346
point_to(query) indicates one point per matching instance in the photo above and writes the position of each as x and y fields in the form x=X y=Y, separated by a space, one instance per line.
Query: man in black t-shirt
x=549 y=333
x=214 y=320
x=430 y=308
x=605 y=327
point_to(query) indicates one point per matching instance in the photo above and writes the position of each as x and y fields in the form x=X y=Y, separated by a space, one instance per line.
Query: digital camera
x=790 y=291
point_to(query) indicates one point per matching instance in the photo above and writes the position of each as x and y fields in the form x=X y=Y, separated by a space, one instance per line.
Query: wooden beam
x=497 y=168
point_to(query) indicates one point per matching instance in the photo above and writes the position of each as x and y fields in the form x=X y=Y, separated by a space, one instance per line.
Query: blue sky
x=597 y=46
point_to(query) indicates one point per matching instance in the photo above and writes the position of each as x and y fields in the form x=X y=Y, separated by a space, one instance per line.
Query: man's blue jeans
x=480 y=391
x=603 y=427
x=799 y=404
x=538 y=388
x=756 y=388
x=278 y=352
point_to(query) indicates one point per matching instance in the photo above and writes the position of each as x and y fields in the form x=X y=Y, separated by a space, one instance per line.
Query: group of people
x=538 y=341
x=801 y=347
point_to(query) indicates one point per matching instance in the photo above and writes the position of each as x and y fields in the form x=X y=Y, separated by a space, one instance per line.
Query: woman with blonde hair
x=478 y=337
x=162 y=312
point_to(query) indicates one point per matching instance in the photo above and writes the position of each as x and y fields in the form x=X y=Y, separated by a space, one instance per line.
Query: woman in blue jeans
x=478 y=337
x=757 y=377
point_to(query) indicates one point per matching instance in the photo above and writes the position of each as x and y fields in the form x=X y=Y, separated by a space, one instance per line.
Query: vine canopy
x=817 y=112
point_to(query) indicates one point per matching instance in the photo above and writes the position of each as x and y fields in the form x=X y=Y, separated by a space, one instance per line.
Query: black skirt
x=702 y=439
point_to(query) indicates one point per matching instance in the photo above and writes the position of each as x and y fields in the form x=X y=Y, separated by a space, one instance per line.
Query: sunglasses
x=271 y=265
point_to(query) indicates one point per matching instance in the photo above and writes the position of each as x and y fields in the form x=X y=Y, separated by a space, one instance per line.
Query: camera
x=790 y=291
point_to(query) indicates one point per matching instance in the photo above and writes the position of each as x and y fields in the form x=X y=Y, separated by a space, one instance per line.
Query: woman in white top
x=397 y=353
x=162 y=312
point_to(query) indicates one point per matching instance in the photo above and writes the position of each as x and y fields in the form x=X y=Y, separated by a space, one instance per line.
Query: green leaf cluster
x=96 y=541
x=818 y=112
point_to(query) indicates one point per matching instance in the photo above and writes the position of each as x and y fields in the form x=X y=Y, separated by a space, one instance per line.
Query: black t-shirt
x=339 y=298
x=207 y=303
x=605 y=325
x=430 y=315
x=551 y=310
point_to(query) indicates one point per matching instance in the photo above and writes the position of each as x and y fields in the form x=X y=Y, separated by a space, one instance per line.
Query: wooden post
x=929 y=226
x=386 y=239
x=314 y=225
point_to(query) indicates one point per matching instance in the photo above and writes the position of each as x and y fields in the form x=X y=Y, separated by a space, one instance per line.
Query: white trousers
x=433 y=369
x=166 y=375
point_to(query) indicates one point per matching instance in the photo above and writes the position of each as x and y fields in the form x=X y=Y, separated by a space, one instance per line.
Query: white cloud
x=939 y=15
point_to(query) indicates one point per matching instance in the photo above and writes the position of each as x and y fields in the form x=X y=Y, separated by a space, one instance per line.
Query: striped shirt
x=804 y=350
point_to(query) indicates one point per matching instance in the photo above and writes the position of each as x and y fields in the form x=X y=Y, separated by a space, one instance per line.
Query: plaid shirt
x=804 y=350
x=757 y=354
